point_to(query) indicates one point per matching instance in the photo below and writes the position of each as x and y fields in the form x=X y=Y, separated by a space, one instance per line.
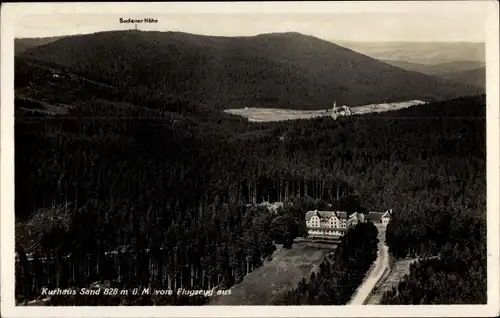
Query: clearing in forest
x=255 y=114
x=269 y=282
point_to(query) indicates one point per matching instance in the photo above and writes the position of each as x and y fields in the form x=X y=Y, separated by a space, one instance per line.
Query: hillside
x=287 y=70
x=476 y=77
x=466 y=72
x=420 y=52
x=22 y=44
x=438 y=69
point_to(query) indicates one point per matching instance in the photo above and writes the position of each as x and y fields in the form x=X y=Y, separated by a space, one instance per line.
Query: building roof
x=376 y=216
x=326 y=214
x=356 y=215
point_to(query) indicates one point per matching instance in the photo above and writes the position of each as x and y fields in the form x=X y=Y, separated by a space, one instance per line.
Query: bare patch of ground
x=32 y=105
x=272 y=280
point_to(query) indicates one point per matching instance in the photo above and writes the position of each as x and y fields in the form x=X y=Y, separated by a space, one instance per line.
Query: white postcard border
x=11 y=10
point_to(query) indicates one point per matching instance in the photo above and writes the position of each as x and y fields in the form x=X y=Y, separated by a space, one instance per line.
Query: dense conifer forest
x=175 y=184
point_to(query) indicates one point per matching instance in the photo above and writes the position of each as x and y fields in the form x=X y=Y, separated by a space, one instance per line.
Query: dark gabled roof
x=376 y=216
x=326 y=214
x=342 y=215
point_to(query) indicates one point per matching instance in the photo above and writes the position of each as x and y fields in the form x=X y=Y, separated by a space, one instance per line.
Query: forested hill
x=467 y=72
x=22 y=44
x=283 y=70
x=476 y=77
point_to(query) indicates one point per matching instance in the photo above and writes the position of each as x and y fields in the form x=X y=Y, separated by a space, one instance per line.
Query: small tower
x=334 y=110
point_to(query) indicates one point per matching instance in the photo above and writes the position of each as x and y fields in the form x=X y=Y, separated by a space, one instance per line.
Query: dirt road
x=375 y=272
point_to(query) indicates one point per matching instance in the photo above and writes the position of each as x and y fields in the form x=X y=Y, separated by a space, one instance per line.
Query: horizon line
x=239 y=36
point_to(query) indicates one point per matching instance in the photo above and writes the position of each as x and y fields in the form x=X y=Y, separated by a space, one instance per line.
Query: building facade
x=331 y=223
x=334 y=224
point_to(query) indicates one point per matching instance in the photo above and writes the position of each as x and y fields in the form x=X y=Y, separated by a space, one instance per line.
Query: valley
x=139 y=166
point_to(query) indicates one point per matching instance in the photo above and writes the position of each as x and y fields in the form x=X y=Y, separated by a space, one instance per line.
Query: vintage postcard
x=250 y=159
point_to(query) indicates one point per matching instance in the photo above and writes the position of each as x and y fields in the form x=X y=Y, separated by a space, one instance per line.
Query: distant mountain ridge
x=429 y=53
x=283 y=70
x=438 y=69
x=467 y=72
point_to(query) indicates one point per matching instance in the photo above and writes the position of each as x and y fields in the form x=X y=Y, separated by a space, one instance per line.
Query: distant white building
x=340 y=111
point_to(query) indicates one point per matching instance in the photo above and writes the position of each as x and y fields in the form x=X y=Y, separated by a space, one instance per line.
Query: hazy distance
x=378 y=27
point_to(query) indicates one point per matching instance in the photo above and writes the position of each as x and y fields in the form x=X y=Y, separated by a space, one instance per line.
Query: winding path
x=375 y=273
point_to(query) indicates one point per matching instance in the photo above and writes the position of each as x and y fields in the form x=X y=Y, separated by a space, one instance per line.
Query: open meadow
x=255 y=114
x=272 y=280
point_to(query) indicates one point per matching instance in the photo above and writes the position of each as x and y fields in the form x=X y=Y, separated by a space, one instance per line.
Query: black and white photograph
x=250 y=159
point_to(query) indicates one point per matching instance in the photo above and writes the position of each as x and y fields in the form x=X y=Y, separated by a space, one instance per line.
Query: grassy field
x=379 y=108
x=255 y=114
x=269 y=282
x=274 y=114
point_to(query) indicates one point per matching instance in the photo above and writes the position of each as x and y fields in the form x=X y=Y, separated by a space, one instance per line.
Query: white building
x=340 y=111
x=334 y=224
x=331 y=223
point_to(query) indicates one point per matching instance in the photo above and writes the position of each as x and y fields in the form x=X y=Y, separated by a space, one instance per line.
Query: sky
x=433 y=22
